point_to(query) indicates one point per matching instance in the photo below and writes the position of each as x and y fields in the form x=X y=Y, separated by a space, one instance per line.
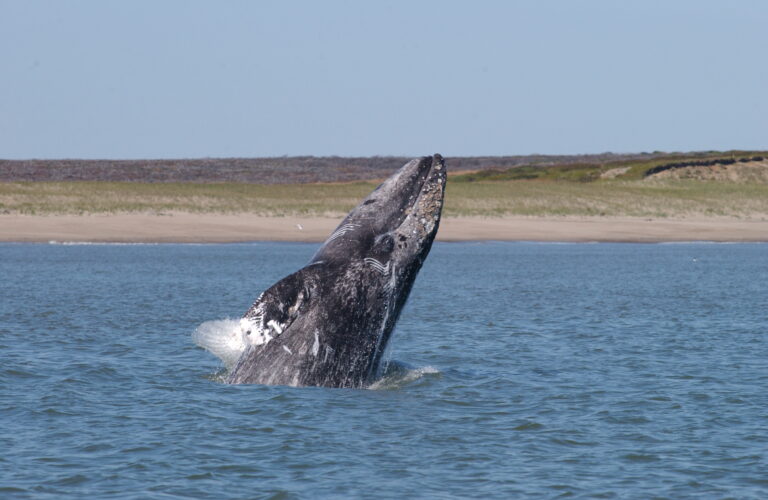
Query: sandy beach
x=214 y=228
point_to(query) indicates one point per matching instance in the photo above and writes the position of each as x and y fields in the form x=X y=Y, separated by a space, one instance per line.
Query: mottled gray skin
x=332 y=319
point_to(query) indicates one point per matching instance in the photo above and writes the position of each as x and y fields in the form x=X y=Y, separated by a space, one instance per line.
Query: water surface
x=533 y=370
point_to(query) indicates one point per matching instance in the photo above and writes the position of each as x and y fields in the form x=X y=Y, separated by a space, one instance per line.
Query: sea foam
x=223 y=338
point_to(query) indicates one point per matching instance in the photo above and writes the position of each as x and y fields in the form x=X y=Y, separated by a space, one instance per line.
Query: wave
x=101 y=243
x=397 y=375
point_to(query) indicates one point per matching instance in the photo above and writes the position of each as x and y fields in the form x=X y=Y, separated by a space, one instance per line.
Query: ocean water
x=518 y=370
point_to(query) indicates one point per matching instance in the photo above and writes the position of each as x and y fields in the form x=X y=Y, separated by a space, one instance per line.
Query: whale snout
x=421 y=224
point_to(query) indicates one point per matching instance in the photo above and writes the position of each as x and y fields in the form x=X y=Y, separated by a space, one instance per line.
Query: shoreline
x=227 y=228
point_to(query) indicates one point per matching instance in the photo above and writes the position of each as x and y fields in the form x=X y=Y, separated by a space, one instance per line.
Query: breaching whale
x=328 y=323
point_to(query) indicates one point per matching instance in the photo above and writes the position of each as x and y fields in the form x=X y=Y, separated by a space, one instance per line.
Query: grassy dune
x=716 y=184
x=43 y=198
x=610 y=198
x=635 y=198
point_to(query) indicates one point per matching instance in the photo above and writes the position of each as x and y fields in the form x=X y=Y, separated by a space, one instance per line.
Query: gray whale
x=328 y=323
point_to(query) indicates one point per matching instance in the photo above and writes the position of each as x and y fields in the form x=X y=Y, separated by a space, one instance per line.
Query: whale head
x=329 y=323
x=398 y=220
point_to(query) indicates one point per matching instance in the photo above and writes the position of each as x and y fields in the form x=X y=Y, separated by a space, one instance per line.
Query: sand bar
x=215 y=228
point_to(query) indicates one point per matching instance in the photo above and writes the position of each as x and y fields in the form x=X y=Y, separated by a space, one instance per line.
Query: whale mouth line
x=424 y=212
x=432 y=175
x=430 y=181
x=435 y=165
x=405 y=206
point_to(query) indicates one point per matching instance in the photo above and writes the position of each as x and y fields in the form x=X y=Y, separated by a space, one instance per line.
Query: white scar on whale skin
x=342 y=231
x=258 y=299
x=316 y=345
x=381 y=335
x=252 y=331
x=378 y=266
x=275 y=326
x=392 y=283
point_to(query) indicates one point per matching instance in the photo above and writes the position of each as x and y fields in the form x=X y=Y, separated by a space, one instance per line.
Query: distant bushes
x=283 y=170
x=311 y=169
x=631 y=169
x=700 y=163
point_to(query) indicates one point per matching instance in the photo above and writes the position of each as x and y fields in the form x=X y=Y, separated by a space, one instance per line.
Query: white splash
x=397 y=375
x=223 y=338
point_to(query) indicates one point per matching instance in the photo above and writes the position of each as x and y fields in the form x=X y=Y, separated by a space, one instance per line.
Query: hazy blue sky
x=149 y=79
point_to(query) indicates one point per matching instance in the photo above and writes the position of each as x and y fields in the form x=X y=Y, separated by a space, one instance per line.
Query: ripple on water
x=542 y=371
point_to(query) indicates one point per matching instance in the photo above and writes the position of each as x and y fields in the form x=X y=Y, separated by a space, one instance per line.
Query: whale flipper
x=275 y=309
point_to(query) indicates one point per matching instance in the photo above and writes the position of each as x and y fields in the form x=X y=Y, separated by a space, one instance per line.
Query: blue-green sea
x=522 y=370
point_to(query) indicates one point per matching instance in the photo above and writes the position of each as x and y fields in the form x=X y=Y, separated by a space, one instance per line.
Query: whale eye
x=384 y=244
x=368 y=202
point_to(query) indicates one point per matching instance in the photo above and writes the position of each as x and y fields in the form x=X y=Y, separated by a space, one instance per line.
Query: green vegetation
x=126 y=197
x=663 y=198
x=608 y=198
x=594 y=171
x=729 y=184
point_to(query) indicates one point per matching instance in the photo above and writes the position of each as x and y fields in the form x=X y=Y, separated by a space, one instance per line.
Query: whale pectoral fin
x=276 y=308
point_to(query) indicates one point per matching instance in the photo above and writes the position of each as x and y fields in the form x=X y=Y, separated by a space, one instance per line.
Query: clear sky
x=164 y=79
